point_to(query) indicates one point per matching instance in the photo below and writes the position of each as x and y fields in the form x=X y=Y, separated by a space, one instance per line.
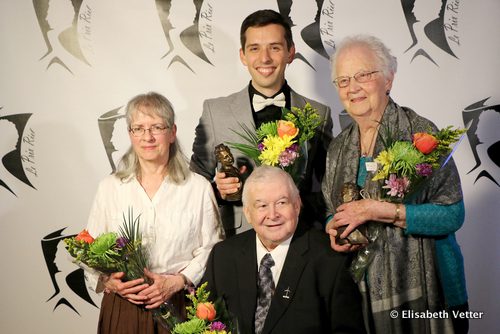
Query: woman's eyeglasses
x=138 y=131
x=360 y=77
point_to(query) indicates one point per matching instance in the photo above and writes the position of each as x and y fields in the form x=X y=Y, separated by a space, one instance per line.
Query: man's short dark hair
x=263 y=18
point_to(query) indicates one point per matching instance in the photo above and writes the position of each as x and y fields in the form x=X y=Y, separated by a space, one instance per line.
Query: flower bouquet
x=112 y=252
x=403 y=167
x=118 y=252
x=281 y=143
x=205 y=317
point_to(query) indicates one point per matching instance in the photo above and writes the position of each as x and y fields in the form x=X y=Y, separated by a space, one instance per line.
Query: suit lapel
x=246 y=274
x=296 y=99
x=300 y=101
x=289 y=280
x=242 y=110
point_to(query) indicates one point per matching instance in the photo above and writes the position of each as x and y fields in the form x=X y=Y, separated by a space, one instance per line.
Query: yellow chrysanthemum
x=273 y=146
x=385 y=159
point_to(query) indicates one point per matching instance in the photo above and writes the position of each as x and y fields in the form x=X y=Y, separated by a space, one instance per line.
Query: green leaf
x=251 y=152
x=135 y=257
x=306 y=120
x=248 y=134
x=250 y=148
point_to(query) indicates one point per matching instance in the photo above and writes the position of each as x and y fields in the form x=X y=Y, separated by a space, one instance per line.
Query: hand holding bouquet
x=404 y=167
x=113 y=252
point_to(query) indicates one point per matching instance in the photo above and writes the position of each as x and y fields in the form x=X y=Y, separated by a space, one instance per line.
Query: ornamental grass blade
x=130 y=228
x=249 y=149
x=457 y=144
x=249 y=134
x=136 y=257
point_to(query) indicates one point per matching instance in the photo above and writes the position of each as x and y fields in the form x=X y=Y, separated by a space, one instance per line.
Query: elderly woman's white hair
x=387 y=62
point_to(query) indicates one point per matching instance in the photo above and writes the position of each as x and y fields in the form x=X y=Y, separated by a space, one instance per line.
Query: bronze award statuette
x=225 y=159
x=350 y=193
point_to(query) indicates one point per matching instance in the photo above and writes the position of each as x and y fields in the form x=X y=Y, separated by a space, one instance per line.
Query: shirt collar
x=285 y=89
x=279 y=255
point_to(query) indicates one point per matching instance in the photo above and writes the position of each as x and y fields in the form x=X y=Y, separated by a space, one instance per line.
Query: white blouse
x=180 y=225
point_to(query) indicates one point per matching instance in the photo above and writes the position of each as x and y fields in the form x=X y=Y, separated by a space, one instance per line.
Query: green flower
x=193 y=326
x=405 y=158
x=103 y=243
x=266 y=130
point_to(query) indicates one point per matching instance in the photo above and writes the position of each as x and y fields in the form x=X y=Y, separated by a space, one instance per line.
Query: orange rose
x=425 y=142
x=85 y=236
x=287 y=128
x=205 y=311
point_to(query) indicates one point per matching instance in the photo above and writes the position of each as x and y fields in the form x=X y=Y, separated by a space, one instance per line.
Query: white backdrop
x=65 y=69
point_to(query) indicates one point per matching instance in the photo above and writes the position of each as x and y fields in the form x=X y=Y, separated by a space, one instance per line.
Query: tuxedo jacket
x=315 y=292
x=223 y=115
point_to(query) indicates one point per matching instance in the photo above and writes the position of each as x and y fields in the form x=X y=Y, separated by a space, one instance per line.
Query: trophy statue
x=225 y=159
x=350 y=193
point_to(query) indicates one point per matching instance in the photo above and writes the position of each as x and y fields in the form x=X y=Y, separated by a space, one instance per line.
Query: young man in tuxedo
x=266 y=49
x=280 y=277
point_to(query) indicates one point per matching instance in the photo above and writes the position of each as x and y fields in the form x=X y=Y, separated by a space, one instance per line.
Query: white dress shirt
x=179 y=225
x=278 y=254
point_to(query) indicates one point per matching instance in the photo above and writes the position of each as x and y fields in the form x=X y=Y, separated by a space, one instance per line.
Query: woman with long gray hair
x=179 y=220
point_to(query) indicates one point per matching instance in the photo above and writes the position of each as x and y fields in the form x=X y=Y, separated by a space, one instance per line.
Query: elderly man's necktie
x=265 y=291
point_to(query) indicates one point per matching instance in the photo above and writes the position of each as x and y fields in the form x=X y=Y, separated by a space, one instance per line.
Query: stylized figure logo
x=62 y=272
x=484 y=139
x=11 y=130
x=180 y=31
x=425 y=21
x=113 y=129
x=304 y=20
x=58 y=22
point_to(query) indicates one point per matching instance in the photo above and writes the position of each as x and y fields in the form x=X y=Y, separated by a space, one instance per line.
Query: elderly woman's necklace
x=369 y=151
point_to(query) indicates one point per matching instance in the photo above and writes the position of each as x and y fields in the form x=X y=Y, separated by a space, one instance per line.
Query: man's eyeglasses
x=138 y=131
x=360 y=77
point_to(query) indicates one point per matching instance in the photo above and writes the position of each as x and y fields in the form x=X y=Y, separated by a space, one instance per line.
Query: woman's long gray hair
x=153 y=104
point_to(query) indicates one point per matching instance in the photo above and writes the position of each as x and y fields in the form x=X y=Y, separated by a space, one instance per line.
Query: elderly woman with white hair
x=414 y=263
x=178 y=218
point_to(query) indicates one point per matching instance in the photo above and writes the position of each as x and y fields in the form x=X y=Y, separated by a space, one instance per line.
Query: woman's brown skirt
x=119 y=316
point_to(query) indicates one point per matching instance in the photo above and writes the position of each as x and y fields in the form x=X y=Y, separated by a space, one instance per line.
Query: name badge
x=371 y=166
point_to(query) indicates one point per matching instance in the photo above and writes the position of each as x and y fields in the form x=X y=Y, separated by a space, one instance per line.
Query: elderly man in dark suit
x=266 y=49
x=279 y=277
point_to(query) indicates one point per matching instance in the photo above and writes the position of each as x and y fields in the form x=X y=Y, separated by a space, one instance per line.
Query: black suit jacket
x=315 y=293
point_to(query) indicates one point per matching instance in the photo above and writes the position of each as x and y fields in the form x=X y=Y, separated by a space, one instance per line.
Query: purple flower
x=398 y=187
x=424 y=169
x=294 y=147
x=121 y=242
x=261 y=147
x=217 y=326
x=288 y=156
